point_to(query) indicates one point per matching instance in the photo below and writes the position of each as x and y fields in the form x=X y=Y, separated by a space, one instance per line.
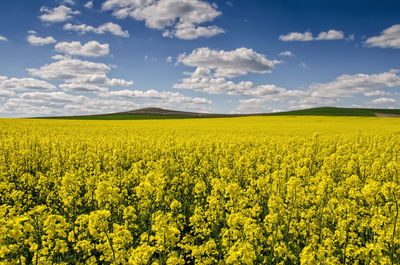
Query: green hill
x=157 y=113
x=333 y=111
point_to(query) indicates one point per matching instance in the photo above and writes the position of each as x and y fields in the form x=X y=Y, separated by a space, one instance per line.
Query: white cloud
x=2 y=38
x=79 y=72
x=61 y=103
x=163 y=99
x=229 y=63
x=169 y=59
x=325 y=94
x=20 y=84
x=6 y=93
x=74 y=87
x=304 y=65
x=383 y=101
x=350 y=85
x=290 y=98
x=69 y=2
x=215 y=68
x=286 y=53
x=189 y=32
x=60 y=57
x=90 y=49
x=164 y=96
x=389 y=38
x=253 y=105
x=376 y=93
x=110 y=27
x=203 y=80
x=331 y=35
x=133 y=94
x=307 y=36
x=57 y=14
x=39 y=41
x=89 y=4
x=179 y=18
x=297 y=36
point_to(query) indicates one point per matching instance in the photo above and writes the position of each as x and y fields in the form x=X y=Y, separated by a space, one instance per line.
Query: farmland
x=245 y=190
x=158 y=113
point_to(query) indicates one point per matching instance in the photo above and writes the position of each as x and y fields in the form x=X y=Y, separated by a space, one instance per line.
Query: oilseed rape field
x=253 y=190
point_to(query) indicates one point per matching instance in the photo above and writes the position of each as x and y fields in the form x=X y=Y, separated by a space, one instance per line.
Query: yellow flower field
x=255 y=190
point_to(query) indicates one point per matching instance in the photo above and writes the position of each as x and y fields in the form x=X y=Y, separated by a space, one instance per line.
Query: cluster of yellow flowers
x=261 y=190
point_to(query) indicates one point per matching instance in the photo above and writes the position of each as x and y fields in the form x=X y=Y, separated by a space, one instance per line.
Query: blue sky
x=69 y=57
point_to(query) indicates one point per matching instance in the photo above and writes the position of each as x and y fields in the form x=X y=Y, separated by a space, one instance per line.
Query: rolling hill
x=158 y=113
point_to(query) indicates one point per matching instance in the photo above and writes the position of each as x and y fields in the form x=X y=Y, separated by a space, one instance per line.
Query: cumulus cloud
x=78 y=71
x=293 y=99
x=214 y=69
x=331 y=35
x=389 y=38
x=2 y=38
x=203 y=80
x=189 y=32
x=297 y=36
x=89 y=49
x=229 y=63
x=350 y=85
x=163 y=99
x=6 y=93
x=307 y=36
x=324 y=94
x=178 y=18
x=69 y=2
x=376 y=93
x=164 y=96
x=286 y=53
x=20 y=84
x=89 y=4
x=61 y=103
x=39 y=41
x=383 y=101
x=74 y=87
x=169 y=59
x=57 y=14
x=110 y=27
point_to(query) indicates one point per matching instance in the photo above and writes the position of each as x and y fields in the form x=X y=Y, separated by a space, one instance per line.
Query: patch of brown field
x=387 y=115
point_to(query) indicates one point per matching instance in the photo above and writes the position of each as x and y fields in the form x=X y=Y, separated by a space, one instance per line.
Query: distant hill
x=158 y=113
x=146 y=114
x=333 y=111
x=173 y=113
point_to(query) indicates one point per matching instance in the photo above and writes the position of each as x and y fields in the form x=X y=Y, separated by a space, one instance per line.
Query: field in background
x=332 y=111
x=157 y=113
x=249 y=190
x=114 y=117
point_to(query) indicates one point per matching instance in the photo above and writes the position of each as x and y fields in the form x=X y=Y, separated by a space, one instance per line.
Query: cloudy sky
x=68 y=57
